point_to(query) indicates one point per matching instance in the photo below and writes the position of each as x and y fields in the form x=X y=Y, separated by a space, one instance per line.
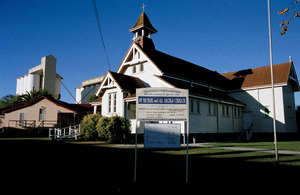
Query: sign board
x=162 y=104
x=162 y=135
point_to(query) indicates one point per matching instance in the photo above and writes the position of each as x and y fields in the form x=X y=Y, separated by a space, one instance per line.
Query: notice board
x=162 y=104
x=162 y=135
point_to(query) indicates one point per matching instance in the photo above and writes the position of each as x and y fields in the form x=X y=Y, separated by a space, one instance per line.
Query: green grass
x=237 y=156
x=286 y=145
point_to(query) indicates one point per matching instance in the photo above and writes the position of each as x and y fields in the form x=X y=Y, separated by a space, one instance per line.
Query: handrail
x=249 y=132
x=66 y=132
x=22 y=123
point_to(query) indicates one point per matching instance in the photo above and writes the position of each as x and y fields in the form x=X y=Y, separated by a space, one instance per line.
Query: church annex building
x=219 y=103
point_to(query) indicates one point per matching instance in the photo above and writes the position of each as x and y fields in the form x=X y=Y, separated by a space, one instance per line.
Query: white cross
x=143 y=7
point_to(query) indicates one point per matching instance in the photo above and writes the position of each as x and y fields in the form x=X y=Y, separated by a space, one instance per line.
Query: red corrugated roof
x=73 y=107
x=259 y=76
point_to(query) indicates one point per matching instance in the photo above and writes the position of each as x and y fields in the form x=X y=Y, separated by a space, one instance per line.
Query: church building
x=219 y=103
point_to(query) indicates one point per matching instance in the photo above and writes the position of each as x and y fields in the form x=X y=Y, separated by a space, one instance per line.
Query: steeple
x=143 y=27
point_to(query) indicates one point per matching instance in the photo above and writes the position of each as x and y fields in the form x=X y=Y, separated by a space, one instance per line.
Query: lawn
x=286 y=145
x=94 y=165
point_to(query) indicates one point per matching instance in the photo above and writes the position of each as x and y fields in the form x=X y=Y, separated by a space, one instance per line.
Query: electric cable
x=67 y=90
x=100 y=31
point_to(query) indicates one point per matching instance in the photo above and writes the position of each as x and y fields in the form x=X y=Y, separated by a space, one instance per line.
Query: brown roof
x=201 y=91
x=259 y=76
x=179 y=68
x=143 y=22
x=73 y=107
x=127 y=82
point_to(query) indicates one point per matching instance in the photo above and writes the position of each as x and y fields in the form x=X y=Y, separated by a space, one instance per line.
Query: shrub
x=88 y=126
x=102 y=127
x=113 y=128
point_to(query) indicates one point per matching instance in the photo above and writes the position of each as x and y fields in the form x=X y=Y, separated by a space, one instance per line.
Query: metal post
x=187 y=142
x=50 y=134
x=55 y=133
x=187 y=153
x=272 y=83
x=135 y=154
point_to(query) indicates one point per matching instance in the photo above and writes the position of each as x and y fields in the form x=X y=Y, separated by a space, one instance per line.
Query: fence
x=64 y=133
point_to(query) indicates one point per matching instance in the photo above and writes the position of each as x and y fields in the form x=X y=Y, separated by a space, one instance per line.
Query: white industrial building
x=88 y=88
x=42 y=76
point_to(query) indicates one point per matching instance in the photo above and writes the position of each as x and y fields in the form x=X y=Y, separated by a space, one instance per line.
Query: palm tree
x=32 y=95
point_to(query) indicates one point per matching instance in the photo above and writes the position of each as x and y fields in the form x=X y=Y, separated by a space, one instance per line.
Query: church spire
x=143 y=27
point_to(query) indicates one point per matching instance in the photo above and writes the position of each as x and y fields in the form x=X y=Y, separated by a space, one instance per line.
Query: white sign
x=157 y=104
x=162 y=135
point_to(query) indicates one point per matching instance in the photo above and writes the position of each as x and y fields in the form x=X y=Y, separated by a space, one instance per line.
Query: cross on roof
x=144 y=7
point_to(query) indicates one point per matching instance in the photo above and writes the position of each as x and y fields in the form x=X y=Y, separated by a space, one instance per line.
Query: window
x=112 y=102
x=225 y=110
x=109 y=102
x=138 y=55
x=141 y=67
x=198 y=107
x=42 y=113
x=22 y=119
x=237 y=111
x=192 y=106
x=212 y=108
x=115 y=102
x=134 y=69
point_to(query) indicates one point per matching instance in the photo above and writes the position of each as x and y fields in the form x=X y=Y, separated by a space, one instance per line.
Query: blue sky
x=225 y=35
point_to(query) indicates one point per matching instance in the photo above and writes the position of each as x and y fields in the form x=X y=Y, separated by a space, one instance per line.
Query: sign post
x=162 y=104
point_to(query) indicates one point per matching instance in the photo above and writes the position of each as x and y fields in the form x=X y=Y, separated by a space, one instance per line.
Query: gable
x=135 y=55
x=121 y=82
x=44 y=100
x=108 y=83
x=294 y=79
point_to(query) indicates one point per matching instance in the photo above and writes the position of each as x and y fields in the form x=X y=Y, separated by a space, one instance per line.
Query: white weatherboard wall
x=204 y=122
x=119 y=101
x=257 y=99
x=289 y=109
x=149 y=69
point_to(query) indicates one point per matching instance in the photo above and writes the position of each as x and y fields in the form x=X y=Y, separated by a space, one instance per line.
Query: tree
x=113 y=128
x=9 y=100
x=32 y=95
x=88 y=126
x=92 y=98
x=289 y=13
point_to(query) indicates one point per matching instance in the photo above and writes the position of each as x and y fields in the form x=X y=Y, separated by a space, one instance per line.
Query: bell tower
x=143 y=27
x=143 y=30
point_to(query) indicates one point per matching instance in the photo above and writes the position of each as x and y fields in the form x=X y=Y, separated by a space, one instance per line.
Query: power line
x=99 y=27
x=67 y=89
x=87 y=93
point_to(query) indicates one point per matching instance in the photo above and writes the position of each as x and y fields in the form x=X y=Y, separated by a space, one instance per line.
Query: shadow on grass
x=52 y=164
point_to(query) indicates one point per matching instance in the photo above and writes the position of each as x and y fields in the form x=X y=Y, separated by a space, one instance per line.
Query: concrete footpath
x=203 y=145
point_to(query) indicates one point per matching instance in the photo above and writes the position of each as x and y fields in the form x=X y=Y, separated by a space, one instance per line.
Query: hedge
x=88 y=126
x=113 y=129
